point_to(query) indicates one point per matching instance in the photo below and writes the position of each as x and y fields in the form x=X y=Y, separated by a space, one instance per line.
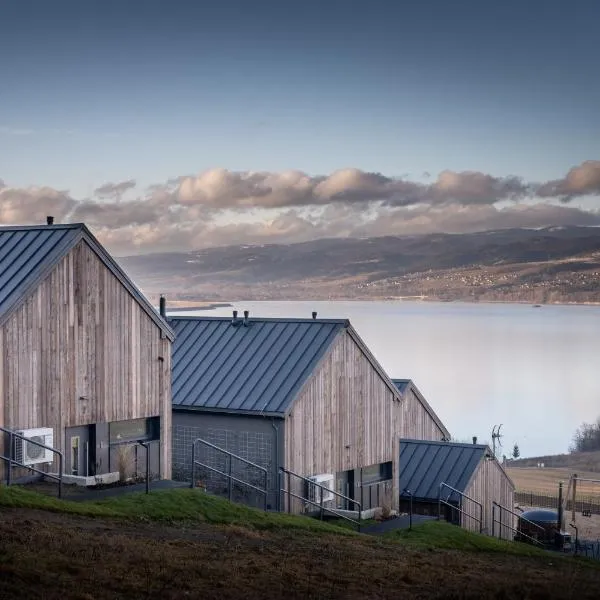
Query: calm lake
x=535 y=370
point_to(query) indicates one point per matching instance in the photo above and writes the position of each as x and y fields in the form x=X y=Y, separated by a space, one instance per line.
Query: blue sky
x=97 y=91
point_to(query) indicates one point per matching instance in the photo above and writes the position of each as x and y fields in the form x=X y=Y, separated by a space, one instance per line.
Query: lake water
x=535 y=370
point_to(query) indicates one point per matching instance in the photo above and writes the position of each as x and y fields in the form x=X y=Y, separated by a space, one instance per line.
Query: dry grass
x=545 y=481
x=59 y=556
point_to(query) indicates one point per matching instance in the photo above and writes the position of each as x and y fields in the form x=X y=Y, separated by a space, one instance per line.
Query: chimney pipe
x=163 y=307
x=49 y=220
x=246 y=315
x=474 y=439
x=314 y=315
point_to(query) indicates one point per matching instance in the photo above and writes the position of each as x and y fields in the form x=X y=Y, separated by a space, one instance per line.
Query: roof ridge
x=340 y=321
x=43 y=227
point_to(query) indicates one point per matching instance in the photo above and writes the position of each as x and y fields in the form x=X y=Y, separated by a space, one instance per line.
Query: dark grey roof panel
x=26 y=255
x=258 y=369
x=424 y=465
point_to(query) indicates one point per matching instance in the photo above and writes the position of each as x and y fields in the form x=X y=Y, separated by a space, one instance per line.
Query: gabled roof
x=405 y=385
x=254 y=369
x=28 y=254
x=424 y=465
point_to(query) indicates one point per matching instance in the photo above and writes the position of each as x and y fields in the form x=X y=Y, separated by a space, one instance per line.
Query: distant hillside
x=582 y=461
x=518 y=265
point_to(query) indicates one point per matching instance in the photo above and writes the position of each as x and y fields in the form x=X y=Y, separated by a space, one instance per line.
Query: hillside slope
x=550 y=265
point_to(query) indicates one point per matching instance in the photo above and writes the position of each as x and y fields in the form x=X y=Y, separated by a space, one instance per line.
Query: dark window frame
x=378 y=472
x=148 y=430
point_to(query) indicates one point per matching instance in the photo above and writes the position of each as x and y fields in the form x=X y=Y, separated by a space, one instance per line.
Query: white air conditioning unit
x=314 y=492
x=28 y=453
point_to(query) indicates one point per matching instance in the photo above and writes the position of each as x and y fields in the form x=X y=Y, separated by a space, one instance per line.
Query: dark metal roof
x=29 y=253
x=254 y=369
x=424 y=465
x=404 y=385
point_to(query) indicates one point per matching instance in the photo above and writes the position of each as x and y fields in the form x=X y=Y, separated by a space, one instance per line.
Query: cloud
x=114 y=190
x=473 y=187
x=23 y=206
x=579 y=181
x=221 y=207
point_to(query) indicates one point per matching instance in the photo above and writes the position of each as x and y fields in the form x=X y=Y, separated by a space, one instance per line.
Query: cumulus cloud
x=20 y=206
x=114 y=190
x=579 y=181
x=220 y=207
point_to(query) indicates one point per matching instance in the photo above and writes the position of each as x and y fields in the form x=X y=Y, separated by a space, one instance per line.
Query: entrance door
x=79 y=459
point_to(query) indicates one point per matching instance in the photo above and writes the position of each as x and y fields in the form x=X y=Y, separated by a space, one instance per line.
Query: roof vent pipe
x=234 y=319
x=246 y=315
x=163 y=307
x=49 y=220
x=474 y=439
x=314 y=315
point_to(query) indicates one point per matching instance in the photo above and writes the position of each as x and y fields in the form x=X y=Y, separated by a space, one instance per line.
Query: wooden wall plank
x=345 y=418
x=81 y=350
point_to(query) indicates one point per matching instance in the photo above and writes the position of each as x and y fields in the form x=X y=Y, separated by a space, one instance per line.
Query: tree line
x=587 y=438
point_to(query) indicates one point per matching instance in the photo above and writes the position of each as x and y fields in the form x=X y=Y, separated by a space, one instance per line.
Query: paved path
x=401 y=522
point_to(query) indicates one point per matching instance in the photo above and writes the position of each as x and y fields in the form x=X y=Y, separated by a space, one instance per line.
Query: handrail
x=460 y=510
x=515 y=530
x=229 y=476
x=11 y=460
x=320 y=504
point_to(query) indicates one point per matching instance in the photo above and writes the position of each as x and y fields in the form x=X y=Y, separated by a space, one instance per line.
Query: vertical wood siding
x=81 y=350
x=489 y=483
x=417 y=423
x=345 y=418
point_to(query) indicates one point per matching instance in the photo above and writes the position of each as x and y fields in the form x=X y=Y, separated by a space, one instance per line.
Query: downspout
x=277 y=474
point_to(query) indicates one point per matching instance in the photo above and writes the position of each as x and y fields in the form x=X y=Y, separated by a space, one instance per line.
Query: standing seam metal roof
x=424 y=465
x=29 y=253
x=258 y=368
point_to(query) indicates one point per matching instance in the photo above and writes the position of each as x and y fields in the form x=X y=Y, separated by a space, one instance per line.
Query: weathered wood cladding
x=417 y=423
x=345 y=418
x=81 y=350
x=490 y=483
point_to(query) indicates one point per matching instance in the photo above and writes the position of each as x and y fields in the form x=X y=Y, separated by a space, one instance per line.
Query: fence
x=590 y=505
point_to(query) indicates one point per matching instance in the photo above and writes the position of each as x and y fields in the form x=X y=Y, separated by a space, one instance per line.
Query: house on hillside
x=419 y=420
x=303 y=394
x=86 y=360
x=472 y=478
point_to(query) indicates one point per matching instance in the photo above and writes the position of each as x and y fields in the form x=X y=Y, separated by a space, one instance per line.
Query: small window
x=378 y=472
x=135 y=430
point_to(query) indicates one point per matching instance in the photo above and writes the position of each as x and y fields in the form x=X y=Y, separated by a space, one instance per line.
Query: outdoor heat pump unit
x=28 y=453
x=314 y=492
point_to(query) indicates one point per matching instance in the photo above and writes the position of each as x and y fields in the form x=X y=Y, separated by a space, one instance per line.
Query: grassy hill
x=183 y=543
x=575 y=462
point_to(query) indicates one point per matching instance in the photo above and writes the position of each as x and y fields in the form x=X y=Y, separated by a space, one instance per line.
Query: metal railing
x=13 y=462
x=516 y=530
x=459 y=508
x=321 y=504
x=230 y=477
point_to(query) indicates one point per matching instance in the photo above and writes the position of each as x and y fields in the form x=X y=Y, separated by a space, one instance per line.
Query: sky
x=182 y=124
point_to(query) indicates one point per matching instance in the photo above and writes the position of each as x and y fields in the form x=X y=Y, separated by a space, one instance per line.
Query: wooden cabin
x=472 y=477
x=86 y=359
x=303 y=394
x=419 y=420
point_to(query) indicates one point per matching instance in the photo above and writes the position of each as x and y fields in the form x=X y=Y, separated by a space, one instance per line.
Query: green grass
x=168 y=506
x=186 y=506
x=441 y=535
